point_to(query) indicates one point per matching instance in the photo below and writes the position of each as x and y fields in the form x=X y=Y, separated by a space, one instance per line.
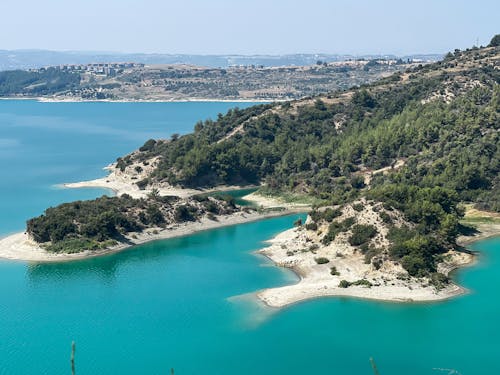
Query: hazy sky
x=248 y=27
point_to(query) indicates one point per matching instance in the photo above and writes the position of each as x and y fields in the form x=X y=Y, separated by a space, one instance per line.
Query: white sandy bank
x=316 y=280
x=20 y=247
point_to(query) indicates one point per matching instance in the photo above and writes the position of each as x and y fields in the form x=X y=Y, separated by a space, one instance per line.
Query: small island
x=390 y=174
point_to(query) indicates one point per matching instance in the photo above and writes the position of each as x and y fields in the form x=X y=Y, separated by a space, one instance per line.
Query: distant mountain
x=31 y=59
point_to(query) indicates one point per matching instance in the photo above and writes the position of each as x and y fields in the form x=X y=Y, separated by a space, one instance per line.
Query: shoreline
x=486 y=230
x=312 y=284
x=19 y=247
x=42 y=99
x=313 y=281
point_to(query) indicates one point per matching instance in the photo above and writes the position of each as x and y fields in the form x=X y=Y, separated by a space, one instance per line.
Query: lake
x=187 y=302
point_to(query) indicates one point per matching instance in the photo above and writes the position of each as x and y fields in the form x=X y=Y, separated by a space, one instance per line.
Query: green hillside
x=420 y=142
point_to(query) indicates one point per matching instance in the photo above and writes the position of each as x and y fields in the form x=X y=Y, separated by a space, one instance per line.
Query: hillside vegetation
x=440 y=122
x=43 y=82
x=416 y=144
x=105 y=221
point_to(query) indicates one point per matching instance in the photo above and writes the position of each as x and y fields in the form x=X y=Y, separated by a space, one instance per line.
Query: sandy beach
x=271 y=202
x=338 y=268
x=316 y=281
x=124 y=182
x=183 y=100
x=20 y=247
x=287 y=249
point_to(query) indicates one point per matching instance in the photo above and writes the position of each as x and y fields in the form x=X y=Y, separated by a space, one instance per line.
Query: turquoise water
x=185 y=302
x=45 y=144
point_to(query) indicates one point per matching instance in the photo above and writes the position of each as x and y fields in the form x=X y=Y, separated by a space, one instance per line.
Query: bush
x=344 y=284
x=312 y=226
x=142 y=183
x=335 y=228
x=386 y=218
x=148 y=146
x=358 y=207
x=183 y=213
x=361 y=234
x=329 y=214
x=322 y=260
x=415 y=265
x=358 y=182
x=313 y=247
x=333 y=271
x=439 y=280
x=154 y=215
x=363 y=282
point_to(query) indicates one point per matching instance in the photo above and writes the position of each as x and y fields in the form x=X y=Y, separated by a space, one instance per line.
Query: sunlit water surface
x=187 y=303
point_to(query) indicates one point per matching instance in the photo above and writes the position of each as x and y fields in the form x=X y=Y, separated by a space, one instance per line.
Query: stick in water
x=73 y=358
x=374 y=366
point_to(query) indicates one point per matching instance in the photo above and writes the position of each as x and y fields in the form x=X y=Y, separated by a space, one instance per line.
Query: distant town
x=105 y=69
x=136 y=81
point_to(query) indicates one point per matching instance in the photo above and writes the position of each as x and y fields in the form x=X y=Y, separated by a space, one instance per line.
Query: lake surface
x=186 y=303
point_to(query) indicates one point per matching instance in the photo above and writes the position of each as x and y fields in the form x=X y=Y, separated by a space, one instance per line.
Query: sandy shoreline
x=315 y=280
x=125 y=183
x=21 y=248
x=312 y=284
x=184 y=100
x=292 y=249
x=486 y=230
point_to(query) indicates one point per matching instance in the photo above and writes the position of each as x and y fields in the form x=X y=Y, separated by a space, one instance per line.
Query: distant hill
x=33 y=59
x=137 y=81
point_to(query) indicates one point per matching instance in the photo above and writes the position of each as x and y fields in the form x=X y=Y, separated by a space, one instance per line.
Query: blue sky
x=248 y=27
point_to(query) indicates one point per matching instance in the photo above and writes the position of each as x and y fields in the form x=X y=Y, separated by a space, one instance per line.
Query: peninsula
x=389 y=170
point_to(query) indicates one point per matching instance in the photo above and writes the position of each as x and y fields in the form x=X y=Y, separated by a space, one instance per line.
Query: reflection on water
x=107 y=266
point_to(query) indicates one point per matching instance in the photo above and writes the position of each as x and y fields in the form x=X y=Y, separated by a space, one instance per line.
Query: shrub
x=148 y=146
x=143 y=183
x=344 y=284
x=386 y=218
x=329 y=214
x=322 y=260
x=154 y=215
x=312 y=226
x=369 y=251
x=335 y=228
x=358 y=182
x=183 y=213
x=333 y=271
x=439 y=280
x=358 y=207
x=314 y=247
x=362 y=282
x=361 y=234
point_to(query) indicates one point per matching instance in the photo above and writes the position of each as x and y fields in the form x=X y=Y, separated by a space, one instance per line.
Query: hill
x=434 y=125
x=409 y=149
x=136 y=81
